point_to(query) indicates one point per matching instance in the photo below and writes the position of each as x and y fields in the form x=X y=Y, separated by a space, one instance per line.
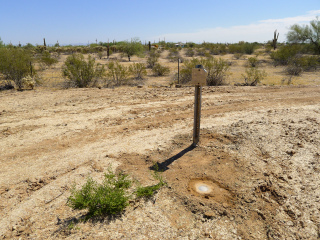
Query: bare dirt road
x=258 y=161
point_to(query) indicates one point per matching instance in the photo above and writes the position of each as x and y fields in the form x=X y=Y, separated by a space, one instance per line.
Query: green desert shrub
x=283 y=55
x=15 y=64
x=138 y=70
x=47 y=59
x=298 y=64
x=253 y=76
x=252 y=62
x=190 y=52
x=310 y=63
x=294 y=66
x=217 y=49
x=29 y=46
x=160 y=70
x=242 y=47
x=201 y=52
x=117 y=73
x=174 y=55
x=248 y=48
x=217 y=70
x=152 y=58
x=186 y=69
x=80 y=72
x=1 y=43
x=109 y=197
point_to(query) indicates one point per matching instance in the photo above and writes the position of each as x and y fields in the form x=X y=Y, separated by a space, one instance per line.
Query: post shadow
x=162 y=167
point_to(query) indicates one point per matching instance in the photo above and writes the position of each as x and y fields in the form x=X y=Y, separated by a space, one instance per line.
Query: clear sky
x=84 y=21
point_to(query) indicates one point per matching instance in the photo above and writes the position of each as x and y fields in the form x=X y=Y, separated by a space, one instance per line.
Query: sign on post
x=199 y=79
x=199 y=76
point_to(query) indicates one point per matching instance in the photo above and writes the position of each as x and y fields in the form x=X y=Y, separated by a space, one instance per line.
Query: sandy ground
x=259 y=158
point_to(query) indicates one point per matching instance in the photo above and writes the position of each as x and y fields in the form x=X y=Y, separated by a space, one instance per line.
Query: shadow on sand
x=162 y=167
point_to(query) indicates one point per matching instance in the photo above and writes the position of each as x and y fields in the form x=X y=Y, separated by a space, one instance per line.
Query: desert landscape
x=253 y=175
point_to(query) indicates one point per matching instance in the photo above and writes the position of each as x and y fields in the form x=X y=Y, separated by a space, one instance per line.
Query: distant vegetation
x=299 y=54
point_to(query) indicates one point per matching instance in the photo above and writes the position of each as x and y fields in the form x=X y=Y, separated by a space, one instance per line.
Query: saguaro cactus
x=275 y=39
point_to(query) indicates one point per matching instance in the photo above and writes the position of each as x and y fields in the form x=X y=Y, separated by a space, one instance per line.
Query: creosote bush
x=138 y=70
x=47 y=59
x=117 y=73
x=217 y=70
x=152 y=58
x=253 y=76
x=190 y=52
x=298 y=64
x=186 y=70
x=252 y=62
x=201 y=52
x=174 y=54
x=283 y=55
x=242 y=47
x=294 y=66
x=81 y=73
x=160 y=70
x=15 y=64
x=110 y=197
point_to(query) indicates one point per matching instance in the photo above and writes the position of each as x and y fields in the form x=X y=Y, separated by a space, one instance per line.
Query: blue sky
x=84 y=21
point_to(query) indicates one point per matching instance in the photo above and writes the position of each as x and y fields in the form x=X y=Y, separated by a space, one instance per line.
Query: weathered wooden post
x=178 y=70
x=31 y=72
x=199 y=78
x=178 y=85
x=108 y=50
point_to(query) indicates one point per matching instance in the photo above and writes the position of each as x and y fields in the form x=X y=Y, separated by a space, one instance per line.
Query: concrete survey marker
x=202 y=188
x=210 y=189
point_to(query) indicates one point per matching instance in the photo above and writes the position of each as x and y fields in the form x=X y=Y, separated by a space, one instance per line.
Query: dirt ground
x=254 y=174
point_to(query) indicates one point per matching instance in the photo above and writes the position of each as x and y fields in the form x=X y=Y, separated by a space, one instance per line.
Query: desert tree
x=134 y=47
x=306 y=33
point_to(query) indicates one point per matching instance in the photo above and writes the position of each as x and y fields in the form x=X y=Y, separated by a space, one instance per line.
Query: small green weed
x=149 y=191
x=110 y=197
